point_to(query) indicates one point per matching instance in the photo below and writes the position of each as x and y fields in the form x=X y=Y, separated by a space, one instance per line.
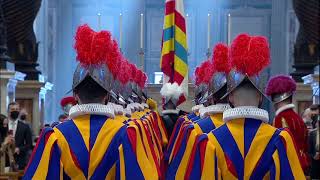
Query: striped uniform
x=89 y=147
x=177 y=131
x=245 y=148
x=180 y=156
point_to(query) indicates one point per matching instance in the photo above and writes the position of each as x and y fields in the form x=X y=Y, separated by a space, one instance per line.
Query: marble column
x=8 y=82
x=278 y=42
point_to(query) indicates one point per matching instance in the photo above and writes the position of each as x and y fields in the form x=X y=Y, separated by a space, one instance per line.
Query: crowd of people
x=111 y=129
x=15 y=139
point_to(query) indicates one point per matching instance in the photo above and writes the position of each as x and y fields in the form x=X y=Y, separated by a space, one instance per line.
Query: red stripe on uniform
x=75 y=160
x=230 y=166
x=175 y=151
x=191 y=160
x=36 y=147
x=202 y=146
x=132 y=138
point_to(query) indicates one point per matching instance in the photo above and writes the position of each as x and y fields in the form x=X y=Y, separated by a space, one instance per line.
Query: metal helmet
x=201 y=85
x=220 y=70
x=66 y=104
x=100 y=74
x=280 y=88
x=97 y=54
x=249 y=56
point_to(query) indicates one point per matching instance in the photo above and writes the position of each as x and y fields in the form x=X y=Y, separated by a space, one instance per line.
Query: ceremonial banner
x=174 y=56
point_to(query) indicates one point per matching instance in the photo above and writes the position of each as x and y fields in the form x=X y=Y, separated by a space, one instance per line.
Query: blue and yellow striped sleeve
x=286 y=159
x=136 y=163
x=203 y=160
x=45 y=160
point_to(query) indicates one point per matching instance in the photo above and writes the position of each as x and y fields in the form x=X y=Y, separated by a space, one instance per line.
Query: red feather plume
x=249 y=54
x=133 y=70
x=143 y=80
x=92 y=47
x=124 y=74
x=196 y=75
x=113 y=58
x=138 y=76
x=220 y=58
x=207 y=71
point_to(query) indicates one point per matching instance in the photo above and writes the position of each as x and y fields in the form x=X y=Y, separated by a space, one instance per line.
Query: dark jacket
x=23 y=139
x=169 y=118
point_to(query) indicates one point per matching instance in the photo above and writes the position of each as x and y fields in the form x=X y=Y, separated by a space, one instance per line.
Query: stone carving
x=3 y=40
x=307 y=47
x=22 y=46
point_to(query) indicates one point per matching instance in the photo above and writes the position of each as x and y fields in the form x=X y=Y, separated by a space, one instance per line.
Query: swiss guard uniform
x=92 y=145
x=143 y=120
x=201 y=87
x=211 y=116
x=246 y=146
x=280 y=88
x=66 y=104
x=170 y=97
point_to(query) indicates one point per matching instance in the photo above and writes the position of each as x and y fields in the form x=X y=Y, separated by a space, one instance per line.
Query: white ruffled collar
x=196 y=108
x=118 y=109
x=145 y=105
x=171 y=111
x=213 y=109
x=246 y=112
x=285 y=107
x=127 y=111
x=136 y=107
x=94 y=109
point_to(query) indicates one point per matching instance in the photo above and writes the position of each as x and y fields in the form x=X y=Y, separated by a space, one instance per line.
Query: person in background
x=91 y=145
x=314 y=145
x=246 y=146
x=21 y=133
x=315 y=109
x=3 y=127
x=281 y=89
x=171 y=94
x=66 y=104
x=23 y=116
x=306 y=116
x=62 y=118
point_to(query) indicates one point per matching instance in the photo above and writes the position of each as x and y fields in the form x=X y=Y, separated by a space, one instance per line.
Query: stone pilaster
x=8 y=82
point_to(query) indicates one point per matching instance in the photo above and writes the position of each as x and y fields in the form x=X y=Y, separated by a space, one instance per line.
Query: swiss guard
x=92 y=145
x=201 y=87
x=246 y=146
x=66 y=103
x=281 y=89
x=171 y=93
x=211 y=116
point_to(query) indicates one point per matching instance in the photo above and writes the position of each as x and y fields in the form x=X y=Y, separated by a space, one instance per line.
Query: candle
x=208 y=32
x=229 y=29
x=141 y=30
x=120 y=31
x=99 y=21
